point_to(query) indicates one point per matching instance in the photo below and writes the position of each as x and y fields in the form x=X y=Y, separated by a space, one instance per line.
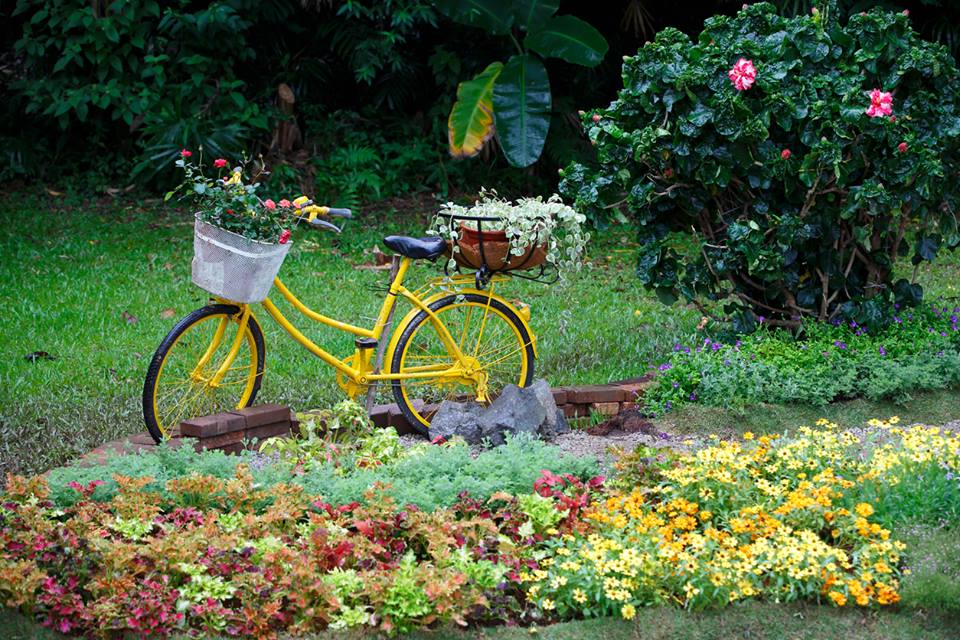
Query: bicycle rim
x=484 y=329
x=182 y=387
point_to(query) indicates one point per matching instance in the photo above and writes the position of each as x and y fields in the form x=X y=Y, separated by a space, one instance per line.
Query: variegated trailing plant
x=513 y=99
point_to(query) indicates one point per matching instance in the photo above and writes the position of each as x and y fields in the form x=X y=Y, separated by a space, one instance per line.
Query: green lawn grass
x=748 y=620
x=97 y=284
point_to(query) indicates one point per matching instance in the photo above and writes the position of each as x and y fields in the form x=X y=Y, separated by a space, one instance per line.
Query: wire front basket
x=487 y=252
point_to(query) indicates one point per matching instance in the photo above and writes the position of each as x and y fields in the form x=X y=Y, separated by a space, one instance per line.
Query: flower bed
x=918 y=350
x=779 y=518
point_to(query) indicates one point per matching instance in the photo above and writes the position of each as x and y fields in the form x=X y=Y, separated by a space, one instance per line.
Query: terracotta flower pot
x=496 y=251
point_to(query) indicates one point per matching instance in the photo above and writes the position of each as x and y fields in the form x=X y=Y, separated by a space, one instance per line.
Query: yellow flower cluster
x=778 y=517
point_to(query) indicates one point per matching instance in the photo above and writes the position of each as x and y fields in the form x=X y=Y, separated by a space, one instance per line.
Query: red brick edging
x=232 y=431
x=576 y=401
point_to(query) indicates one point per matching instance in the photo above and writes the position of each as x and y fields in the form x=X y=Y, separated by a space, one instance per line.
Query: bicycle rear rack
x=541 y=272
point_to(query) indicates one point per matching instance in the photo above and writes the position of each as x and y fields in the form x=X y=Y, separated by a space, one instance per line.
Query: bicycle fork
x=217 y=378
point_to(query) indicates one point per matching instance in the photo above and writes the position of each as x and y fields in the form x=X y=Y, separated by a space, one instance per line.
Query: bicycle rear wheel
x=179 y=383
x=485 y=329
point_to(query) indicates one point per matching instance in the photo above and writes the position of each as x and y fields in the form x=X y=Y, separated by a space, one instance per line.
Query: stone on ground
x=530 y=410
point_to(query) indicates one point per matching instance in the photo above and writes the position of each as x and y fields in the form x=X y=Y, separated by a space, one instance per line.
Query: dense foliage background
x=112 y=90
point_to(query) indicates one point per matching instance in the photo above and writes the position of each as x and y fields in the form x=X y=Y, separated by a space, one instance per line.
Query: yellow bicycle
x=459 y=340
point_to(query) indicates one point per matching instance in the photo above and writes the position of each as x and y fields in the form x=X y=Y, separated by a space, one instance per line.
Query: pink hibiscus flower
x=743 y=74
x=881 y=103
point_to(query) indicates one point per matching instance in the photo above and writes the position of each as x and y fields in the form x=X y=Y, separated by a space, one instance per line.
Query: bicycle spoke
x=183 y=392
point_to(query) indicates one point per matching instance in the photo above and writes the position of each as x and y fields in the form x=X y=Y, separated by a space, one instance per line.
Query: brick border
x=575 y=401
x=231 y=431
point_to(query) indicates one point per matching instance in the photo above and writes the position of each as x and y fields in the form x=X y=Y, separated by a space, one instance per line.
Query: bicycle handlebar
x=311 y=213
x=322 y=224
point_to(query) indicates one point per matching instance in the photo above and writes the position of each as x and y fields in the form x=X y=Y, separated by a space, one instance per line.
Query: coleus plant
x=513 y=99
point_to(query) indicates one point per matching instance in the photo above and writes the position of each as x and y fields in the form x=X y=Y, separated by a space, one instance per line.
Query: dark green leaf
x=530 y=14
x=570 y=39
x=495 y=16
x=521 y=108
x=928 y=246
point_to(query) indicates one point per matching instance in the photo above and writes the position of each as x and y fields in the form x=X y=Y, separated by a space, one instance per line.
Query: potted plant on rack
x=240 y=240
x=499 y=235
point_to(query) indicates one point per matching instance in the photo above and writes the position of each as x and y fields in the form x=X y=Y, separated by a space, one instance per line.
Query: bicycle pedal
x=366 y=343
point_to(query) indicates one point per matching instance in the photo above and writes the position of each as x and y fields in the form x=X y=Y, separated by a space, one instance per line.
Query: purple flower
x=693 y=397
x=669 y=405
x=853 y=324
x=666 y=366
x=677 y=347
x=761 y=319
x=676 y=385
x=726 y=362
x=883 y=351
x=839 y=345
x=897 y=320
x=716 y=346
x=686 y=350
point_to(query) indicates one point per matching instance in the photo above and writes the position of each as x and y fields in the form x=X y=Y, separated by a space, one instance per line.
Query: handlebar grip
x=340 y=213
x=323 y=224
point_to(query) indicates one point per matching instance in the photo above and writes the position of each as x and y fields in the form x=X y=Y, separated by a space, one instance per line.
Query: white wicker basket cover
x=233 y=267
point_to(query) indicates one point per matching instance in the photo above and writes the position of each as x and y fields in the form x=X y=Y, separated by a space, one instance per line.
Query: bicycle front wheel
x=180 y=381
x=486 y=330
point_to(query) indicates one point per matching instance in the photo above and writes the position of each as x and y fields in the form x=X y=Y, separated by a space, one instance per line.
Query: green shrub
x=435 y=480
x=428 y=481
x=919 y=350
x=797 y=202
x=169 y=74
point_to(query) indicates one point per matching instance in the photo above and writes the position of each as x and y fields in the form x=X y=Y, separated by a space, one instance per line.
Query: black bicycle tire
x=421 y=317
x=153 y=370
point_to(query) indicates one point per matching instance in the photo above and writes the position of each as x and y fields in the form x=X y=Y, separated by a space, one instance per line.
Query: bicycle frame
x=359 y=375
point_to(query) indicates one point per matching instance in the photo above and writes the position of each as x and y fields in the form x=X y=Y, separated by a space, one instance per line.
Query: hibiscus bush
x=781 y=166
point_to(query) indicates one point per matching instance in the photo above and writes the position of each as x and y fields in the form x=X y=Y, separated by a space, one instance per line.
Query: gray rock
x=560 y=426
x=530 y=410
x=458 y=419
x=555 y=422
x=516 y=410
